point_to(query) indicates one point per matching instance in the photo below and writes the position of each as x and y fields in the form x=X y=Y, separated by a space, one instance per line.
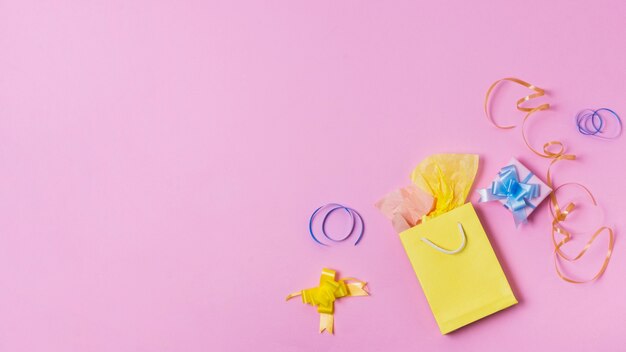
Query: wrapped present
x=449 y=249
x=518 y=189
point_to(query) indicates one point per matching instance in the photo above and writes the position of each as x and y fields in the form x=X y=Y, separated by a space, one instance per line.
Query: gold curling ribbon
x=559 y=215
x=324 y=295
x=538 y=93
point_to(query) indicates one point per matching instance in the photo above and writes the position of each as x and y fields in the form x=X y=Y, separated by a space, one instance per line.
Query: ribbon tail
x=326 y=322
x=520 y=217
x=487 y=196
x=357 y=289
x=292 y=295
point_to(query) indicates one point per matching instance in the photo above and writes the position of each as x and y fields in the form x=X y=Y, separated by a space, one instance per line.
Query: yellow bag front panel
x=463 y=287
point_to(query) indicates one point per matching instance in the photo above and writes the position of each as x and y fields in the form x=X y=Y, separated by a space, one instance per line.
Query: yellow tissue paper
x=446 y=177
x=449 y=250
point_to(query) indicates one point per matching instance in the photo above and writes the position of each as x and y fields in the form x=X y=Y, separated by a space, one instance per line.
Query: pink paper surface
x=160 y=160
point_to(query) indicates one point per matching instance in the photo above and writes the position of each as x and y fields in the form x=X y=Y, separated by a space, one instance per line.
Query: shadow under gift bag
x=449 y=249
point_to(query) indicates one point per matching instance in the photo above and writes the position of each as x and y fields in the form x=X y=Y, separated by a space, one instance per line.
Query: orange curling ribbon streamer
x=538 y=93
x=558 y=217
x=324 y=295
x=555 y=150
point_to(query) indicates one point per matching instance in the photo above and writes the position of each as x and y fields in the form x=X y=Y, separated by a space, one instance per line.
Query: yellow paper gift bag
x=449 y=250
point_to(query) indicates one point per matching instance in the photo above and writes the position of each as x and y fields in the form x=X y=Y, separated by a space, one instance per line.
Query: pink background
x=160 y=160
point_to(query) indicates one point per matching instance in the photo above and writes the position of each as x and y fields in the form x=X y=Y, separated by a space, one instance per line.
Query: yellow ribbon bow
x=324 y=295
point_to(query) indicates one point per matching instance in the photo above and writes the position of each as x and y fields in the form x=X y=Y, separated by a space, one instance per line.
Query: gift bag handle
x=445 y=251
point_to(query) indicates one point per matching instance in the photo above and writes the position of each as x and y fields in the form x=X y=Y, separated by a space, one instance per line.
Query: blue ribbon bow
x=517 y=194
